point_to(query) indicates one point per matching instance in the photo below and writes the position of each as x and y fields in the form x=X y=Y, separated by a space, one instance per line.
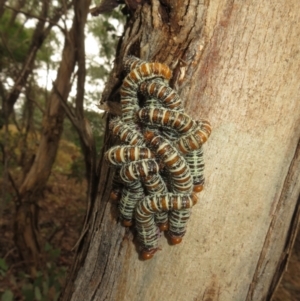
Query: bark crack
x=292 y=172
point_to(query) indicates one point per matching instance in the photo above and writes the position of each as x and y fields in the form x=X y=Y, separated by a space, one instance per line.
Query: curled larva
x=145 y=217
x=128 y=92
x=145 y=71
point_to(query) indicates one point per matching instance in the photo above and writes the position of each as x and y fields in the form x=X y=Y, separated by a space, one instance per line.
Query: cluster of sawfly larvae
x=159 y=162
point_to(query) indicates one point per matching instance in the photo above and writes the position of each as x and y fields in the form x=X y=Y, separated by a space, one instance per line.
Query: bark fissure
x=292 y=173
x=102 y=272
x=287 y=251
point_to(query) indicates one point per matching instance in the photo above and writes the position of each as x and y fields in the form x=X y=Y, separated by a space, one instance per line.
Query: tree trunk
x=237 y=65
x=36 y=179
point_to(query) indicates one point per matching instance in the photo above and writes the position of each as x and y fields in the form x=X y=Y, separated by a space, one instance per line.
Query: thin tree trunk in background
x=237 y=65
x=39 y=35
x=30 y=191
x=37 y=40
x=83 y=127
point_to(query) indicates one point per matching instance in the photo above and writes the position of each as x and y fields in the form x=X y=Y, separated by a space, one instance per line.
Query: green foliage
x=70 y=133
x=3 y=267
x=105 y=29
x=49 y=48
x=15 y=40
x=77 y=170
x=52 y=253
x=7 y=296
x=97 y=124
x=15 y=144
x=47 y=284
x=98 y=71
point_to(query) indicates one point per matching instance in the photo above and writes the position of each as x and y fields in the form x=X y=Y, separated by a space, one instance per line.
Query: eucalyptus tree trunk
x=237 y=64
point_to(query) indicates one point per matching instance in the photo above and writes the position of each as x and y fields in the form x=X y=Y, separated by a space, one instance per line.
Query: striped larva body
x=145 y=71
x=178 y=220
x=129 y=107
x=118 y=155
x=195 y=138
x=128 y=92
x=127 y=134
x=131 y=62
x=132 y=193
x=174 y=120
x=145 y=216
x=174 y=162
x=155 y=185
x=138 y=169
x=181 y=180
x=163 y=93
x=196 y=163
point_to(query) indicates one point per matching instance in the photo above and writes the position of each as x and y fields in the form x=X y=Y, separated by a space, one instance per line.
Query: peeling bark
x=229 y=66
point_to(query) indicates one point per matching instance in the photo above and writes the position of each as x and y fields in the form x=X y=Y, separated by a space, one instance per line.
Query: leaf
x=45 y=285
x=27 y=291
x=37 y=293
x=48 y=247
x=3 y=265
x=7 y=296
x=55 y=253
x=15 y=38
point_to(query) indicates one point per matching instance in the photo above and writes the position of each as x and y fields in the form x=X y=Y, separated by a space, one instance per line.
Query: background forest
x=34 y=35
x=51 y=78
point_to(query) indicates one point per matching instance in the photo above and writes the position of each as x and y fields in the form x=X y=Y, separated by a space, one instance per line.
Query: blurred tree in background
x=46 y=160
